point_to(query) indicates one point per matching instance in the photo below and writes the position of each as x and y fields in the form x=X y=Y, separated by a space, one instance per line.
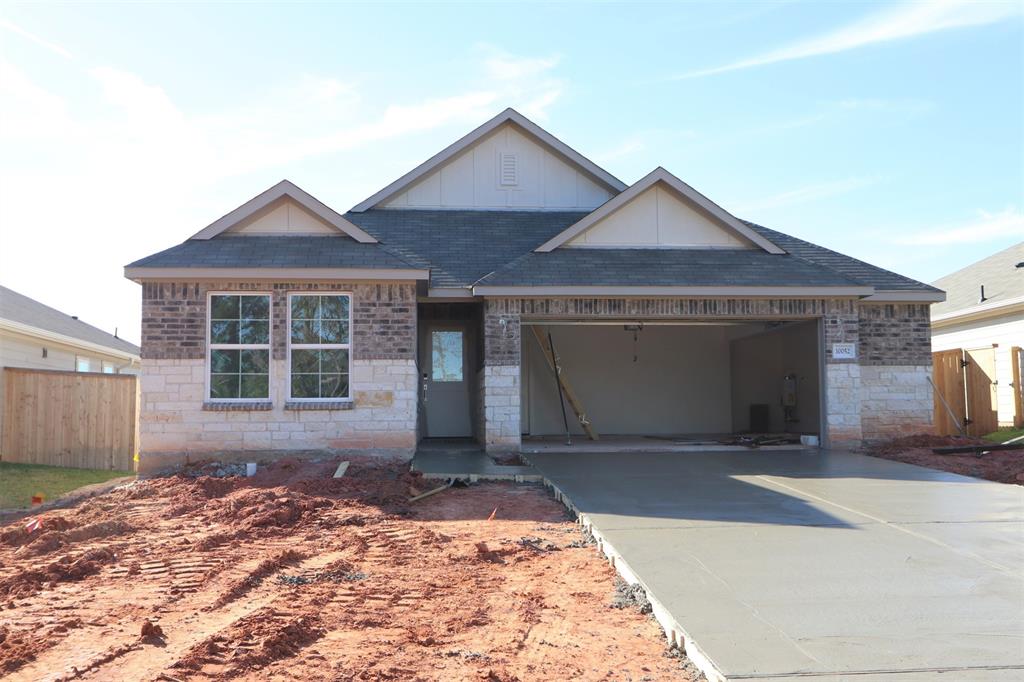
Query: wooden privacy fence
x=72 y=419
x=1017 y=363
x=966 y=381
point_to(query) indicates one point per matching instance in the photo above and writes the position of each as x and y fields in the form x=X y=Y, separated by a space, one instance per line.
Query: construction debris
x=631 y=596
x=554 y=363
x=977 y=450
x=340 y=471
x=427 y=494
x=754 y=442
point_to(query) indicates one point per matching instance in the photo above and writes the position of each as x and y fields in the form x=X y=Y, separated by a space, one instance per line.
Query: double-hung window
x=239 y=367
x=319 y=348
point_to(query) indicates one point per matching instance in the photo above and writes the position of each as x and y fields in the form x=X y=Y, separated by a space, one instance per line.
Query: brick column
x=500 y=382
x=896 y=363
x=842 y=377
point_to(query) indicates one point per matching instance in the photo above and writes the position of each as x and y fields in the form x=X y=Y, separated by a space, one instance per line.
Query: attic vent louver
x=508 y=169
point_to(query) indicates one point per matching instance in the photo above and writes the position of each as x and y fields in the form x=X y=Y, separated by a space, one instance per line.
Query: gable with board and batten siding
x=505 y=170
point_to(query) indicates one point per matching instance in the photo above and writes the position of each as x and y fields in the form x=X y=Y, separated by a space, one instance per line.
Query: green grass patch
x=19 y=482
x=1003 y=435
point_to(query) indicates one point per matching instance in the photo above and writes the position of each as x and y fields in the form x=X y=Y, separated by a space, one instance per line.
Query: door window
x=446 y=356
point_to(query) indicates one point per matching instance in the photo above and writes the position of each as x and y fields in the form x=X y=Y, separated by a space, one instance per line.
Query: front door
x=444 y=380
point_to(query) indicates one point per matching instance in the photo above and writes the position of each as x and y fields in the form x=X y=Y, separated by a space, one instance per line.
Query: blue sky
x=891 y=132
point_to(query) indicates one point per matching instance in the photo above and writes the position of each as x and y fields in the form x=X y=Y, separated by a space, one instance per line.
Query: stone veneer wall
x=174 y=422
x=896 y=363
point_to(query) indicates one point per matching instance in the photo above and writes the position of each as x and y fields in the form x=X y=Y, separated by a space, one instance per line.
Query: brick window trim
x=250 y=406
x=304 y=405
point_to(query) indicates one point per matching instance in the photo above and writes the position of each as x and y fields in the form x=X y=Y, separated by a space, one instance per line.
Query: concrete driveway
x=815 y=565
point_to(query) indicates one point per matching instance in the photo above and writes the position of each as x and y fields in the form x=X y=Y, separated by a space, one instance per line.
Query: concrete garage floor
x=810 y=564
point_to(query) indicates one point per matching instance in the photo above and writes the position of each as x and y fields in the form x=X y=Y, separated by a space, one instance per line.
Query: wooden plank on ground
x=570 y=395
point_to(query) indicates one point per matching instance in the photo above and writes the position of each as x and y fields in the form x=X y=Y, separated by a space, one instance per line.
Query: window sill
x=255 y=406
x=300 y=405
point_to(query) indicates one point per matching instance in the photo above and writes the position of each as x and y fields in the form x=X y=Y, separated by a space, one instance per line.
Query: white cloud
x=808 y=193
x=985 y=227
x=18 y=30
x=908 y=106
x=904 y=21
x=629 y=146
x=102 y=166
x=507 y=67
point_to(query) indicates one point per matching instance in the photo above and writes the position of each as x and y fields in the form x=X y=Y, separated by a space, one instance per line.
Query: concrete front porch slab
x=468 y=464
x=807 y=564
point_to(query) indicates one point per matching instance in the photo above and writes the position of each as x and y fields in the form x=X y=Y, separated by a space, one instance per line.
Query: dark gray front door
x=444 y=383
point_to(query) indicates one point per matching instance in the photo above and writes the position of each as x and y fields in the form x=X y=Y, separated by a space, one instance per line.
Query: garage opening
x=691 y=380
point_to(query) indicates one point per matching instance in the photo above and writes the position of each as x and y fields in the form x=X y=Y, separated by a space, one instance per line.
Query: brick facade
x=383 y=317
x=176 y=421
x=882 y=392
x=895 y=334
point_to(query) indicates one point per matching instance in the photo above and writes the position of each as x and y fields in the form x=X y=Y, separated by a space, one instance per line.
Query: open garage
x=672 y=378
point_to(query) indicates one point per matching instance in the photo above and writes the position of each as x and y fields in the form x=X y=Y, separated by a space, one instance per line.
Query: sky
x=890 y=132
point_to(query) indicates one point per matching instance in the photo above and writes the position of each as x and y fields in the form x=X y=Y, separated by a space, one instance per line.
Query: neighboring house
x=286 y=325
x=983 y=314
x=36 y=336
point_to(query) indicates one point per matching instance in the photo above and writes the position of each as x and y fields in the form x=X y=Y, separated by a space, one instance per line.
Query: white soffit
x=688 y=195
x=507 y=116
x=285 y=188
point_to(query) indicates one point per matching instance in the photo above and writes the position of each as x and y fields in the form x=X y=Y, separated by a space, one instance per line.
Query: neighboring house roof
x=28 y=316
x=999 y=274
x=459 y=247
x=285 y=188
x=508 y=116
x=319 y=256
x=660 y=175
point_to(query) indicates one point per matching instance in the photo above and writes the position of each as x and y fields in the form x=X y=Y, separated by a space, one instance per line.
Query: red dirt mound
x=1002 y=466
x=312 y=577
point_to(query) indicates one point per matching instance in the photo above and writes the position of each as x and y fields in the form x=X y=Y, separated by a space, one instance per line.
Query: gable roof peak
x=508 y=115
x=660 y=174
x=285 y=188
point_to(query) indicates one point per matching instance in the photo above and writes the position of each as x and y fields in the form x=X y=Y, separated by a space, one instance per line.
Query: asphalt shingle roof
x=24 y=310
x=664 y=267
x=999 y=273
x=463 y=247
x=856 y=270
x=273 y=252
x=459 y=246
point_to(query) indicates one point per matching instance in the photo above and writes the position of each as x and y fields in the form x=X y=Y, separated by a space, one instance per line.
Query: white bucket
x=809 y=440
x=250 y=469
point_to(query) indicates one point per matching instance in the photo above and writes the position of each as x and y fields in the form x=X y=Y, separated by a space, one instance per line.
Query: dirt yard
x=1004 y=467
x=293 y=575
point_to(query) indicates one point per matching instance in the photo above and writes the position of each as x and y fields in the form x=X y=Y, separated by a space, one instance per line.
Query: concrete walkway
x=808 y=565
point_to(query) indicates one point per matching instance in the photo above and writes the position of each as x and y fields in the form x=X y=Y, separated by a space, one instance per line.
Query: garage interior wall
x=687 y=379
x=759 y=362
x=678 y=384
